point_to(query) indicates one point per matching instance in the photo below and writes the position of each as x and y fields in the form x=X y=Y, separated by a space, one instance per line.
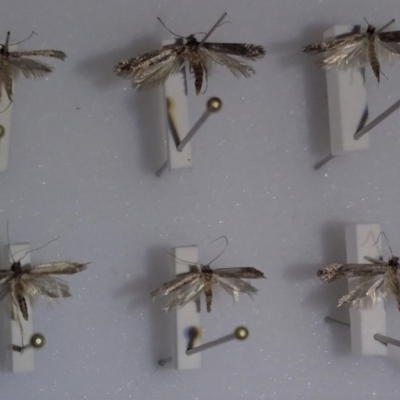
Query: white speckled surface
x=87 y=175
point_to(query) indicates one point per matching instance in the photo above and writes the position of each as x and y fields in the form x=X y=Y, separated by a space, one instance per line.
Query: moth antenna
x=9 y=104
x=8 y=241
x=179 y=259
x=39 y=248
x=387 y=241
x=33 y=33
x=392 y=21
x=165 y=26
x=215 y=26
x=222 y=252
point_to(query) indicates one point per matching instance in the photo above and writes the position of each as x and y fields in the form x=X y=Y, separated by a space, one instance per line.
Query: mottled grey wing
x=393 y=36
x=175 y=284
x=350 y=55
x=6 y=79
x=60 y=267
x=5 y=275
x=234 y=286
x=338 y=271
x=239 y=272
x=367 y=293
x=152 y=68
x=235 y=66
x=243 y=50
x=184 y=295
x=335 y=43
x=387 y=51
x=40 y=53
x=45 y=286
x=29 y=68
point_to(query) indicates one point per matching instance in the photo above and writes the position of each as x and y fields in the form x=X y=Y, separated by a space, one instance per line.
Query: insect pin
x=357 y=50
x=14 y=62
x=382 y=278
x=23 y=283
x=154 y=68
x=188 y=286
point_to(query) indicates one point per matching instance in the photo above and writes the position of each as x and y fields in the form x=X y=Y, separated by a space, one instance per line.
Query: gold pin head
x=37 y=340
x=241 y=333
x=214 y=104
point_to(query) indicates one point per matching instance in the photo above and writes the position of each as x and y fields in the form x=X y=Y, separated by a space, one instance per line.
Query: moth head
x=16 y=267
x=394 y=261
x=206 y=269
x=191 y=40
x=370 y=30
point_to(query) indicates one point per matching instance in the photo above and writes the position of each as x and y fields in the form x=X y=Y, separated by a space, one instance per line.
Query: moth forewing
x=338 y=271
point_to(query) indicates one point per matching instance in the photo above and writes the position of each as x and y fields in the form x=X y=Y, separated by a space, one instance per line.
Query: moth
x=24 y=283
x=12 y=63
x=357 y=50
x=383 y=278
x=188 y=286
x=154 y=68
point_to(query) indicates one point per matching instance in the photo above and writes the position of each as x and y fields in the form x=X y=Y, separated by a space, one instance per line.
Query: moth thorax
x=370 y=30
x=16 y=267
x=394 y=262
x=191 y=41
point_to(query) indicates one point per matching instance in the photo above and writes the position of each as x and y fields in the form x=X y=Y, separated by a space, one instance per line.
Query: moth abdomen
x=23 y=306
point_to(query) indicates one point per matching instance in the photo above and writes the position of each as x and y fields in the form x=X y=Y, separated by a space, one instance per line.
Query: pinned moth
x=14 y=62
x=23 y=283
x=154 y=68
x=357 y=50
x=383 y=279
x=188 y=286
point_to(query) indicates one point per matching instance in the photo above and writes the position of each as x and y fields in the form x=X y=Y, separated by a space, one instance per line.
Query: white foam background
x=83 y=152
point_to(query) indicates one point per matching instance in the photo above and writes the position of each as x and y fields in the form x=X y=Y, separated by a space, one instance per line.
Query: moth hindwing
x=381 y=278
x=189 y=286
x=12 y=63
x=357 y=50
x=154 y=68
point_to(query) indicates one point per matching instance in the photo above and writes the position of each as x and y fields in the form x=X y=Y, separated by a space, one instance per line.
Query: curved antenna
x=215 y=26
x=39 y=248
x=9 y=104
x=165 y=26
x=13 y=44
x=8 y=242
x=182 y=261
x=387 y=241
x=220 y=254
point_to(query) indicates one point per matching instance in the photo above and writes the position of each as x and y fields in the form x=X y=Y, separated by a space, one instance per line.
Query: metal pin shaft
x=162 y=169
x=380 y=338
x=240 y=333
x=213 y=28
x=377 y=120
x=213 y=105
x=324 y=161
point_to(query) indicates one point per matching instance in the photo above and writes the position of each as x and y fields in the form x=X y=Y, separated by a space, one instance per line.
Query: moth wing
x=44 y=286
x=387 y=51
x=60 y=267
x=5 y=276
x=366 y=293
x=349 y=55
x=175 y=284
x=334 y=43
x=338 y=271
x=239 y=272
x=392 y=36
x=184 y=295
x=152 y=68
x=235 y=66
x=29 y=68
x=243 y=50
x=40 y=53
x=6 y=79
x=236 y=285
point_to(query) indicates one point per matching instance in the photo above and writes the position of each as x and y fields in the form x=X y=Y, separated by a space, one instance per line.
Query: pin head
x=214 y=104
x=37 y=340
x=241 y=333
x=2 y=131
